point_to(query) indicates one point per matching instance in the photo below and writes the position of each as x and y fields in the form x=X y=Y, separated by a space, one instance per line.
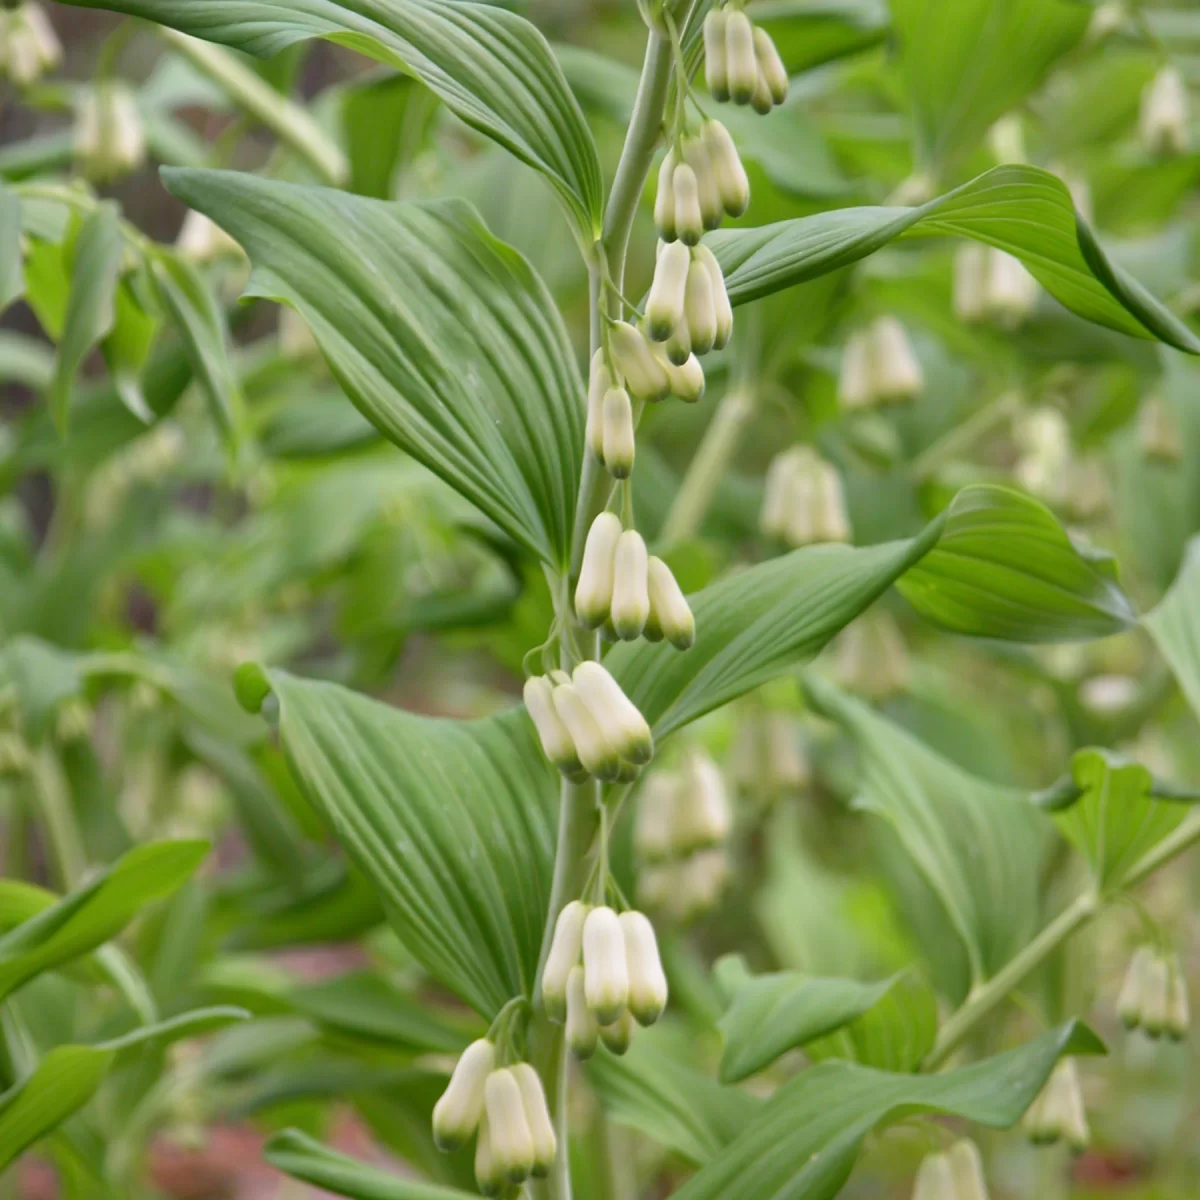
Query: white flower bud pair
x=685 y=887
x=1154 y=996
x=741 y=63
x=879 y=366
x=109 y=136
x=636 y=365
x=1163 y=121
x=28 y=44
x=955 y=1175
x=1059 y=1111
x=700 y=181
x=990 y=285
x=803 y=501
x=1158 y=431
x=682 y=811
x=688 y=308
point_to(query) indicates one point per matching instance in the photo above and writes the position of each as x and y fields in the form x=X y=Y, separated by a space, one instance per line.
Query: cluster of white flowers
x=683 y=820
x=603 y=976
x=1164 y=115
x=110 y=139
x=740 y=61
x=28 y=44
x=990 y=285
x=955 y=1175
x=879 y=366
x=1059 y=1112
x=504 y=1108
x=803 y=501
x=1154 y=996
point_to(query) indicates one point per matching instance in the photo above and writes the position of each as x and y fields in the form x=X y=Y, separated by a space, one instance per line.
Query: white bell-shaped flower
x=733 y=184
x=635 y=361
x=598 y=755
x=705 y=816
x=665 y=302
x=656 y=819
x=670 y=616
x=695 y=153
x=29 y=47
x=582 y=1029
x=771 y=70
x=456 y=1115
x=109 y=138
x=599 y=381
x=556 y=740
x=618 y=438
x=537 y=1114
x=934 y=1179
x=593 y=592
x=741 y=64
x=566 y=947
x=966 y=1169
x=689 y=216
x=618 y=718
x=617 y=1035
x=1164 y=116
x=630 y=606
x=511 y=1140
x=1059 y=1112
x=716 y=72
x=605 y=972
x=647 y=980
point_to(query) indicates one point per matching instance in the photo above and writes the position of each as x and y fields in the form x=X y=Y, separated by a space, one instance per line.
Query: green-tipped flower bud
x=109 y=138
x=28 y=44
x=695 y=154
x=582 y=1028
x=741 y=63
x=630 y=598
x=623 y=726
x=966 y=1167
x=1179 y=1015
x=1156 y=996
x=732 y=182
x=1164 y=116
x=508 y=1129
x=489 y=1180
x=689 y=218
x=565 y=949
x=787 y=764
x=970 y=282
x=656 y=820
x=605 y=973
x=664 y=198
x=537 y=1114
x=686 y=381
x=556 y=741
x=761 y=101
x=597 y=754
x=1129 y=1002
x=705 y=817
x=665 y=303
x=898 y=374
x=599 y=381
x=678 y=347
x=771 y=70
x=670 y=616
x=635 y=361
x=620 y=441
x=456 y=1115
x=715 y=75
x=617 y=1036
x=935 y=1180
x=700 y=308
x=593 y=592
x=647 y=981
x=856 y=385
x=724 y=310
x=702 y=881
x=1059 y=1112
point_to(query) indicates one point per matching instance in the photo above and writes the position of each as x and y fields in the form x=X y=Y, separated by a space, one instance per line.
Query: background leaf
x=12 y=271
x=1175 y=626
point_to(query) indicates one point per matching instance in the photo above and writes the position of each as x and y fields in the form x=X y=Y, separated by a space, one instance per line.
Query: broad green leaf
x=803 y=1143
x=1175 y=626
x=442 y=336
x=809 y=33
x=1022 y=210
x=980 y=847
x=43 y=676
x=295 y=1153
x=12 y=271
x=772 y=1014
x=1003 y=567
x=489 y=66
x=1116 y=820
x=91 y=305
x=968 y=63
x=95 y=912
x=452 y=821
x=655 y=1089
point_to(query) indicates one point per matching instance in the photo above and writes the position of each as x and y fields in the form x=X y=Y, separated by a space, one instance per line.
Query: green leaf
x=980 y=847
x=810 y=33
x=971 y=62
x=772 y=1014
x=194 y=1023
x=1022 y=210
x=12 y=271
x=803 y=1143
x=127 y=348
x=489 y=66
x=441 y=335
x=295 y=1153
x=452 y=821
x=1174 y=624
x=1116 y=820
x=1003 y=567
x=91 y=306
x=95 y=912
x=43 y=676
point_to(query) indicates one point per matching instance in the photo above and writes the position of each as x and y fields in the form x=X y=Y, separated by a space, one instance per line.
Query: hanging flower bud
x=715 y=73
x=741 y=64
x=490 y=1181
x=1011 y=291
x=803 y=501
x=537 y=1114
x=1059 y=1111
x=787 y=763
x=971 y=282
x=935 y=1181
x=665 y=303
x=582 y=1029
x=689 y=218
x=670 y=616
x=700 y=307
x=703 y=880
x=724 y=310
x=966 y=1169
x=508 y=1129
x=630 y=597
x=556 y=741
x=599 y=381
x=761 y=101
x=856 y=383
x=623 y=726
x=656 y=821
x=733 y=185
x=704 y=813
x=1179 y=1016
x=1129 y=1002
x=657 y=885
x=597 y=755
x=619 y=438
x=636 y=363
x=678 y=346
x=695 y=154
x=770 y=66
x=664 y=198
x=605 y=973
x=456 y=1115
x=29 y=47
x=202 y=240
x=647 y=981
x=109 y=138
x=686 y=382
x=897 y=373
x=566 y=946
x=617 y=1036
x=871 y=658
x=1155 y=996
x=1158 y=431
x=593 y=592
x=1164 y=115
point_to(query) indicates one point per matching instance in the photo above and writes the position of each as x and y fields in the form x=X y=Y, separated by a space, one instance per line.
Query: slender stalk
x=52 y=797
